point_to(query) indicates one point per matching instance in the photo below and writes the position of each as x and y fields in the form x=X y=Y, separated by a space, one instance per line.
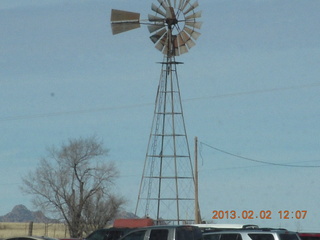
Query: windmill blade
x=157 y=10
x=180 y=45
x=124 y=16
x=153 y=18
x=180 y=4
x=194 y=24
x=155 y=37
x=165 y=50
x=162 y=43
x=190 y=43
x=184 y=37
x=195 y=15
x=193 y=6
x=163 y=4
x=183 y=49
x=187 y=40
x=155 y=27
x=178 y=42
x=184 y=5
x=175 y=4
x=192 y=33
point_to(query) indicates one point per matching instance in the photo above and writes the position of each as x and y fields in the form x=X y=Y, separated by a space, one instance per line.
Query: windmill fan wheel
x=172 y=26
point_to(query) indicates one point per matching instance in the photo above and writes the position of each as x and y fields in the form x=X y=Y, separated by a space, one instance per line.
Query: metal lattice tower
x=167 y=184
x=167 y=189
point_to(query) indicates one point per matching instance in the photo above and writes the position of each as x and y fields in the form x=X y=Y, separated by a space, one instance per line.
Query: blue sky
x=250 y=87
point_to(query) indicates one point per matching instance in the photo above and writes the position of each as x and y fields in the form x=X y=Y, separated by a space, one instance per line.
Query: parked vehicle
x=108 y=234
x=251 y=234
x=30 y=238
x=119 y=229
x=165 y=232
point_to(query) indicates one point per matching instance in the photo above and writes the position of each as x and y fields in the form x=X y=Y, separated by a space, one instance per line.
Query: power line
x=85 y=111
x=256 y=92
x=56 y=114
x=255 y=160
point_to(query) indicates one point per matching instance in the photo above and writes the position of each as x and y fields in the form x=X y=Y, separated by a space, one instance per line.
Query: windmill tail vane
x=173 y=27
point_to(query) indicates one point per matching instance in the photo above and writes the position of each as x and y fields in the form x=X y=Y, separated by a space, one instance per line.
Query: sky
x=250 y=90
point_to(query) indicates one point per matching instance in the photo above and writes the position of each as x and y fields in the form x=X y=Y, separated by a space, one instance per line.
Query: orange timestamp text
x=263 y=214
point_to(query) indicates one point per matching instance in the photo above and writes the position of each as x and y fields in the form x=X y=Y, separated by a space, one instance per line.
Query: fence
x=54 y=230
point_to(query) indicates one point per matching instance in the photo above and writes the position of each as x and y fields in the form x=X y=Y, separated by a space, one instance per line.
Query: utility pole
x=197 y=210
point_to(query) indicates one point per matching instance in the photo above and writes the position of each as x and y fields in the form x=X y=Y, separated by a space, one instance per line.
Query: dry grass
x=53 y=230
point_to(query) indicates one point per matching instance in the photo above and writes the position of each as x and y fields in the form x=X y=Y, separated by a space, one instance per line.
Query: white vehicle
x=213 y=226
x=251 y=234
x=165 y=232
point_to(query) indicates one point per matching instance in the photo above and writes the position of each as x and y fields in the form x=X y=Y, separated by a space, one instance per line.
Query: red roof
x=309 y=234
x=133 y=222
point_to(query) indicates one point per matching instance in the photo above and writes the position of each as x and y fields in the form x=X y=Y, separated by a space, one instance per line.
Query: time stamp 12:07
x=263 y=214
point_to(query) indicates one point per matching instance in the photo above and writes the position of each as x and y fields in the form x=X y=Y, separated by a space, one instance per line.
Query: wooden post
x=30 y=228
x=197 y=210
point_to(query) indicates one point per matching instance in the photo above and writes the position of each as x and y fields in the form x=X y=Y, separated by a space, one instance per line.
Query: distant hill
x=21 y=213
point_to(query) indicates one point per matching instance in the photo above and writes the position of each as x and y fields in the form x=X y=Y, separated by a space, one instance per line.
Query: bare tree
x=98 y=212
x=75 y=183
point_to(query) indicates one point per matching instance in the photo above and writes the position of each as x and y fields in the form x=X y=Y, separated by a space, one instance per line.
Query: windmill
x=167 y=187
